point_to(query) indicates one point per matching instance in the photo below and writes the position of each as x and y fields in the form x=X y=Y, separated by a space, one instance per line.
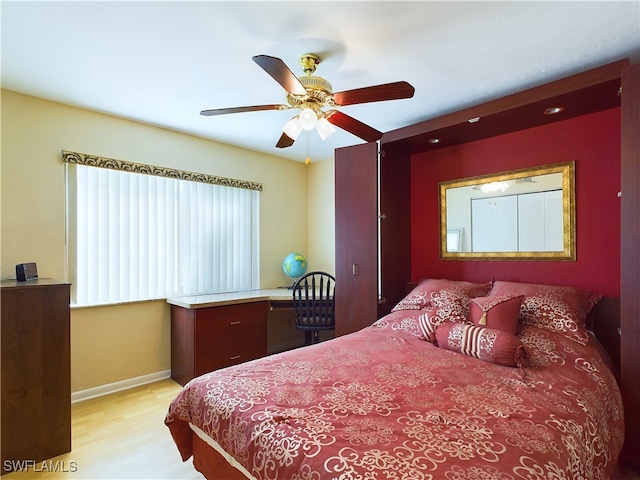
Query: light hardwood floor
x=119 y=436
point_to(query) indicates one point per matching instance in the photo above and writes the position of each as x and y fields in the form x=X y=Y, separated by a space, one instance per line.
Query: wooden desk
x=214 y=331
x=277 y=298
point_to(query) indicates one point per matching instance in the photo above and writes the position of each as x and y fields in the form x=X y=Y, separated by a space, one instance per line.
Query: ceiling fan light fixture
x=293 y=128
x=324 y=128
x=308 y=119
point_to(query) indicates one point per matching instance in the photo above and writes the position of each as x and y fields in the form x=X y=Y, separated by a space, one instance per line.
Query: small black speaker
x=26 y=272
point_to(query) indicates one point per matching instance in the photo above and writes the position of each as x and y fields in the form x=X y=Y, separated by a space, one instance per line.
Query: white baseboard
x=118 y=386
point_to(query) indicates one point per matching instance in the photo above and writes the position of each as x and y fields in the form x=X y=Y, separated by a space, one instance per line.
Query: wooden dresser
x=36 y=370
x=206 y=339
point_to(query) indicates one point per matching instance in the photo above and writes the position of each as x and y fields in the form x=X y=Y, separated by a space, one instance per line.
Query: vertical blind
x=135 y=236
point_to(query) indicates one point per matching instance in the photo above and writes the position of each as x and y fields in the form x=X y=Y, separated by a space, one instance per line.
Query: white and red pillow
x=446 y=306
x=562 y=310
x=423 y=294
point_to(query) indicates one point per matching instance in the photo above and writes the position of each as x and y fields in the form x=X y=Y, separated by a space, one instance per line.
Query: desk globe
x=294 y=265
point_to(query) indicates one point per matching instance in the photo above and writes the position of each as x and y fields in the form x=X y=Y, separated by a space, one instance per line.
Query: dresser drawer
x=228 y=335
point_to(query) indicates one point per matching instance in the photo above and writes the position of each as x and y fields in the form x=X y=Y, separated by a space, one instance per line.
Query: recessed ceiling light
x=473 y=120
x=434 y=140
x=553 y=110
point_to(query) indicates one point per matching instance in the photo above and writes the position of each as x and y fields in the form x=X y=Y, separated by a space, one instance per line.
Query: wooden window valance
x=103 y=162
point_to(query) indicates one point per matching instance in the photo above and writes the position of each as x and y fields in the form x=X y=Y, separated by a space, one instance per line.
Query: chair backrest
x=313 y=301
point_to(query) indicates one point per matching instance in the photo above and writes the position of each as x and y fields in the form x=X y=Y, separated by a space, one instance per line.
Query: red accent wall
x=593 y=141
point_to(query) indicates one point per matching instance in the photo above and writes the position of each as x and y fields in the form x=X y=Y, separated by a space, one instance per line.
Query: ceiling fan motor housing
x=319 y=93
x=316 y=83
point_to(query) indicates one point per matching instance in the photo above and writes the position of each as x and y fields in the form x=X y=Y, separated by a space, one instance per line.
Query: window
x=142 y=236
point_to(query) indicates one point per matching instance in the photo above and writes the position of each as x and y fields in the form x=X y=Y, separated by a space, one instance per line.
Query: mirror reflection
x=520 y=214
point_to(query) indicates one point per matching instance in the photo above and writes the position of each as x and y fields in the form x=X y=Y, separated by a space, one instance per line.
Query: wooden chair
x=313 y=304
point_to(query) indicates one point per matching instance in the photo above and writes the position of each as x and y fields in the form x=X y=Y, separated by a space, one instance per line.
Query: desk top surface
x=231 y=298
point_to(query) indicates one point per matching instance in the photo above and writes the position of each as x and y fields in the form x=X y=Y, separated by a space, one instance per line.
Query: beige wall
x=321 y=211
x=116 y=343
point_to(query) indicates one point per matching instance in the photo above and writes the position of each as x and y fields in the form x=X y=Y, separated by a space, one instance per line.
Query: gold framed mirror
x=526 y=214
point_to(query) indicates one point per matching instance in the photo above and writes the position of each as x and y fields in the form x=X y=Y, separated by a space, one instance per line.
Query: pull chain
x=307 y=161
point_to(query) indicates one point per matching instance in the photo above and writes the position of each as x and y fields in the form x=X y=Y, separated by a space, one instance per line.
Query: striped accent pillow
x=487 y=344
x=428 y=322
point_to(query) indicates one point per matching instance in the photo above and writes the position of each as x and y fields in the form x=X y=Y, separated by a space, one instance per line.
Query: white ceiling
x=162 y=62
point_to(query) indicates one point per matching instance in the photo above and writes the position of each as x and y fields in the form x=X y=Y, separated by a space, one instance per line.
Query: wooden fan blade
x=285 y=141
x=376 y=93
x=253 y=108
x=351 y=125
x=280 y=73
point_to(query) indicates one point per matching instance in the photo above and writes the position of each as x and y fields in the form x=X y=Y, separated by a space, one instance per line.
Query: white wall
x=112 y=344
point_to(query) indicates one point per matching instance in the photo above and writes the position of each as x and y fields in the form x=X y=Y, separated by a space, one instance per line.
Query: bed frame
x=604 y=322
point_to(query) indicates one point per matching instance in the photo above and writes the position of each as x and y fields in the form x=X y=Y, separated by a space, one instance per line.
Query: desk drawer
x=228 y=335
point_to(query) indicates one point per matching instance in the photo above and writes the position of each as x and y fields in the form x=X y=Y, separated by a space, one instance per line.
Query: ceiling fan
x=312 y=95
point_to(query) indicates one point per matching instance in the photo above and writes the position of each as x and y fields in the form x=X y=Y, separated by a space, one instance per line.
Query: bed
x=460 y=381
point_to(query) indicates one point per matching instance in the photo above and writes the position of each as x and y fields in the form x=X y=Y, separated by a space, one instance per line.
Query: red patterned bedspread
x=383 y=403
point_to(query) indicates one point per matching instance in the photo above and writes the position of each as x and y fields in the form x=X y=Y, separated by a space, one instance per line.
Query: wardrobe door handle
x=235 y=323
x=235 y=357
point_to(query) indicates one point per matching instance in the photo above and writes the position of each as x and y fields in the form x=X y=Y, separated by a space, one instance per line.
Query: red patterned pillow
x=451 y=304
x=486 y=344
x=447 y=306
x=499 y=312
x=558 y=309
x=421 y=295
